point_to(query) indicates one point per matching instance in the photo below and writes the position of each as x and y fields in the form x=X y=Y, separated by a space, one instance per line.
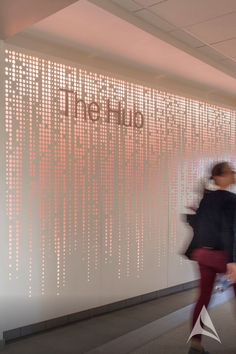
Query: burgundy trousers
x=210 y=263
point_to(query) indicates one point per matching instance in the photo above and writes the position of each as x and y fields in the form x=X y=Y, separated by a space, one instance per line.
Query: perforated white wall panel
x=98 y=170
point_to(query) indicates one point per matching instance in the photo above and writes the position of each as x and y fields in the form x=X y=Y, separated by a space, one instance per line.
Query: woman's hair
x=219 y=168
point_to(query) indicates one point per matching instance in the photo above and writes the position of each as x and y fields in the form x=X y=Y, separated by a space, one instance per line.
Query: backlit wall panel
x=98 y=171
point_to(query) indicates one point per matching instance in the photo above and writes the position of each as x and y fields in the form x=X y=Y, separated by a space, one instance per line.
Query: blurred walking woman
x=214 y=246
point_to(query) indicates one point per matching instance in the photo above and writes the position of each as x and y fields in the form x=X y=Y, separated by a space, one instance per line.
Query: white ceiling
x=186 y=39
x=207 y=26
x=182 y=13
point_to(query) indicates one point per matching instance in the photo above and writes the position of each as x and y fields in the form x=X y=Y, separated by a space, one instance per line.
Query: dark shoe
x=197 y=351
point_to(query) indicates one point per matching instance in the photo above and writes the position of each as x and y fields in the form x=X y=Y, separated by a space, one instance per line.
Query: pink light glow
x=95 y=190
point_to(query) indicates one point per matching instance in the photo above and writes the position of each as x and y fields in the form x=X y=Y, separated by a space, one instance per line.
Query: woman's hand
x=193 y=208
x=231 y=272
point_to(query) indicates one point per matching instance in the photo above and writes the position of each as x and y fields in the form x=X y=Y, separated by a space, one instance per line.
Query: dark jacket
x=214 y=224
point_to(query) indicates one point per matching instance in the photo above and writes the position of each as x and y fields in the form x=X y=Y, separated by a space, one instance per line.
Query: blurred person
x=213 y=245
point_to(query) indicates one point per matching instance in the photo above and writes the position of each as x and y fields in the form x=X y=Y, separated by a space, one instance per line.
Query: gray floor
x=151 y=332
x=174 y=342
x=84 y=336
x=140 y=324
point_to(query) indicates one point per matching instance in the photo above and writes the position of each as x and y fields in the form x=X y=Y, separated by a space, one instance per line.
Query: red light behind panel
x=104 y=194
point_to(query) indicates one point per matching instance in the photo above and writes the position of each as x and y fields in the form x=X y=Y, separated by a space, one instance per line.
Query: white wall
x=92 y=209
